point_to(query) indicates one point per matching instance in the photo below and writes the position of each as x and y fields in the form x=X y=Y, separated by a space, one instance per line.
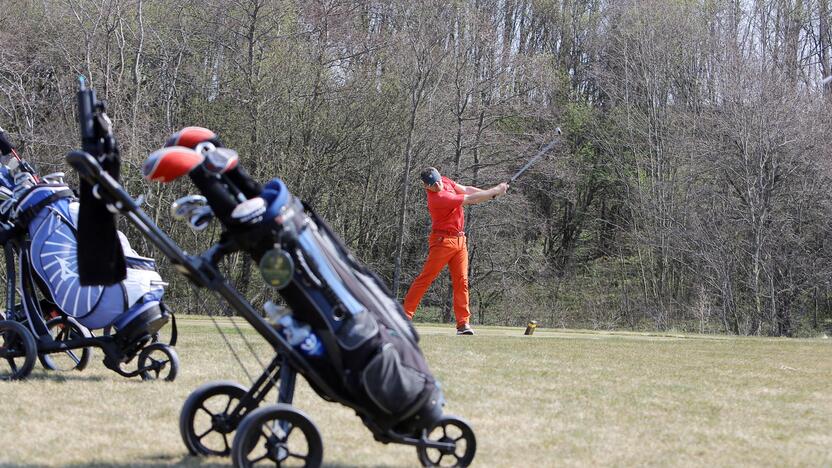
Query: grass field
x=556 y=398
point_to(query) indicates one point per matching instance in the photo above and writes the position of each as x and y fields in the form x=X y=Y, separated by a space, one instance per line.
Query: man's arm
x=466 y=190
x=484 y=195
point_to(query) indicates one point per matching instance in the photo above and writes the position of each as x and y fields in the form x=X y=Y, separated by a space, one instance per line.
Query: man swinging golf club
x=447 y=244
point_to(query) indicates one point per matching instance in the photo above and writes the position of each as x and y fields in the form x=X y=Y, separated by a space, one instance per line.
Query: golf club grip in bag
x=217 y=194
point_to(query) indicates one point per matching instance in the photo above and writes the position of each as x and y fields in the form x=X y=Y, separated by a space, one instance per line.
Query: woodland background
x=691 y=190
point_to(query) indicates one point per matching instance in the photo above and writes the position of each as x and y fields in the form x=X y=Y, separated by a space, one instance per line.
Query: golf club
x=185 y=207
x=537 y=156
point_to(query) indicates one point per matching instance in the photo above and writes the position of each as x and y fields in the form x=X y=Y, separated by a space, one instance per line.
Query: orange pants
x=443 y=250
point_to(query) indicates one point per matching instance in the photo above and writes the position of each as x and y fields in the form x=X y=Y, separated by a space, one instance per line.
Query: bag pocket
x=391 y=385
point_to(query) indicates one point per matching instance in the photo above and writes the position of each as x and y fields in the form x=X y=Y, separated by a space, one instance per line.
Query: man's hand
x=498 y=190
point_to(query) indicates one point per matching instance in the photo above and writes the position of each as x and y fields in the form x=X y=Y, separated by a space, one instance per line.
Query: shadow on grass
x=69 y=376
x=166 y=460
x=161 y=460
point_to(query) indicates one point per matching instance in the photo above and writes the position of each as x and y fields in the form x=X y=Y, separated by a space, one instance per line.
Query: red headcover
x=169 y=164
x=189 y=137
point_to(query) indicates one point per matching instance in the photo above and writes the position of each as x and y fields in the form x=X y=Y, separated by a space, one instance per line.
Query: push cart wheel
x=450 y=430
x=205 y=421
x=162 y=361
x=18 y=351
x=277 y=435
x=63 y=329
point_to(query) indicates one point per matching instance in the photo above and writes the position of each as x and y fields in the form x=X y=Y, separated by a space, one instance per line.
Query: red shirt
x=445 y=207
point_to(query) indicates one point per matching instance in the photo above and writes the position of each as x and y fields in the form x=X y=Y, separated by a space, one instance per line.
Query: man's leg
x=458 y=265
x=438 y=255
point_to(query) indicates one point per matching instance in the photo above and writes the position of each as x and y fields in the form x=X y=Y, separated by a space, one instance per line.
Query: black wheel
x=18 y=351
x=450 y=430
x=205 y=422
x=277 y=435
x=63 y=329
x=162 y=360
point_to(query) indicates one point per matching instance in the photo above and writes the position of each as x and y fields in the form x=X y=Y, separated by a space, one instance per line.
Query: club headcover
x=168 y=164
x=219 y=159
x=190 y=137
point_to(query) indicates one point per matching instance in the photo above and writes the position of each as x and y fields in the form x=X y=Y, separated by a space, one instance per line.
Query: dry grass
x=557 y=398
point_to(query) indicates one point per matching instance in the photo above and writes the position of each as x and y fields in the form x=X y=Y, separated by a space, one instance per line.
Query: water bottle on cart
x=297 y=333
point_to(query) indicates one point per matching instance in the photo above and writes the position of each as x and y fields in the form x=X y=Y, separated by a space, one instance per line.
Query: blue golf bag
x=40 y=218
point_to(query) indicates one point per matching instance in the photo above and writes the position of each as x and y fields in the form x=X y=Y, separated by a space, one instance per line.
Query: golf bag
x=40 y=217
x=361 y=343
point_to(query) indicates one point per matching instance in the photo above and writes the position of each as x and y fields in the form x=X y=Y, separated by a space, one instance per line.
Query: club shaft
x=537 y=156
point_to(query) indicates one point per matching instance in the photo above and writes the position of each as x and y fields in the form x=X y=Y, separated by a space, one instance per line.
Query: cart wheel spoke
x=201 y=436
x=228 y=405
x=264 y=435
x=203 y=408
x=259 y=459
x=74 y=357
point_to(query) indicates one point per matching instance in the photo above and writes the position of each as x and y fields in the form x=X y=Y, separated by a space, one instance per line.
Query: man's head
x=431 y=178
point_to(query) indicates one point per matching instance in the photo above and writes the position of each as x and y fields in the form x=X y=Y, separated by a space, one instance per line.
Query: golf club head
x=220 y=160
x=23 y=181
x=201 y=218
x=7 y=206
x=185 y=207
x=54 y=178
x=5 y=193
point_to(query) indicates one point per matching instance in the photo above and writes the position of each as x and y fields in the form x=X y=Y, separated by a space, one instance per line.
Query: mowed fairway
x=556 y=398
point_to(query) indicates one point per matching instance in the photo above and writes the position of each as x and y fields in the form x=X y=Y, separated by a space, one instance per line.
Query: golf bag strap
x=27 y=215
x=173 y=331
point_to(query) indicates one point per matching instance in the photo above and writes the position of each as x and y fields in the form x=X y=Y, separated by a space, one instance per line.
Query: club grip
x=244 y=182
x=6 y=145
x=86 y=100
x=219 y=197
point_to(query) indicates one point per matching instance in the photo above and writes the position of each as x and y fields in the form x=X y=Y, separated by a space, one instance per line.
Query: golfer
x=447 y=244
